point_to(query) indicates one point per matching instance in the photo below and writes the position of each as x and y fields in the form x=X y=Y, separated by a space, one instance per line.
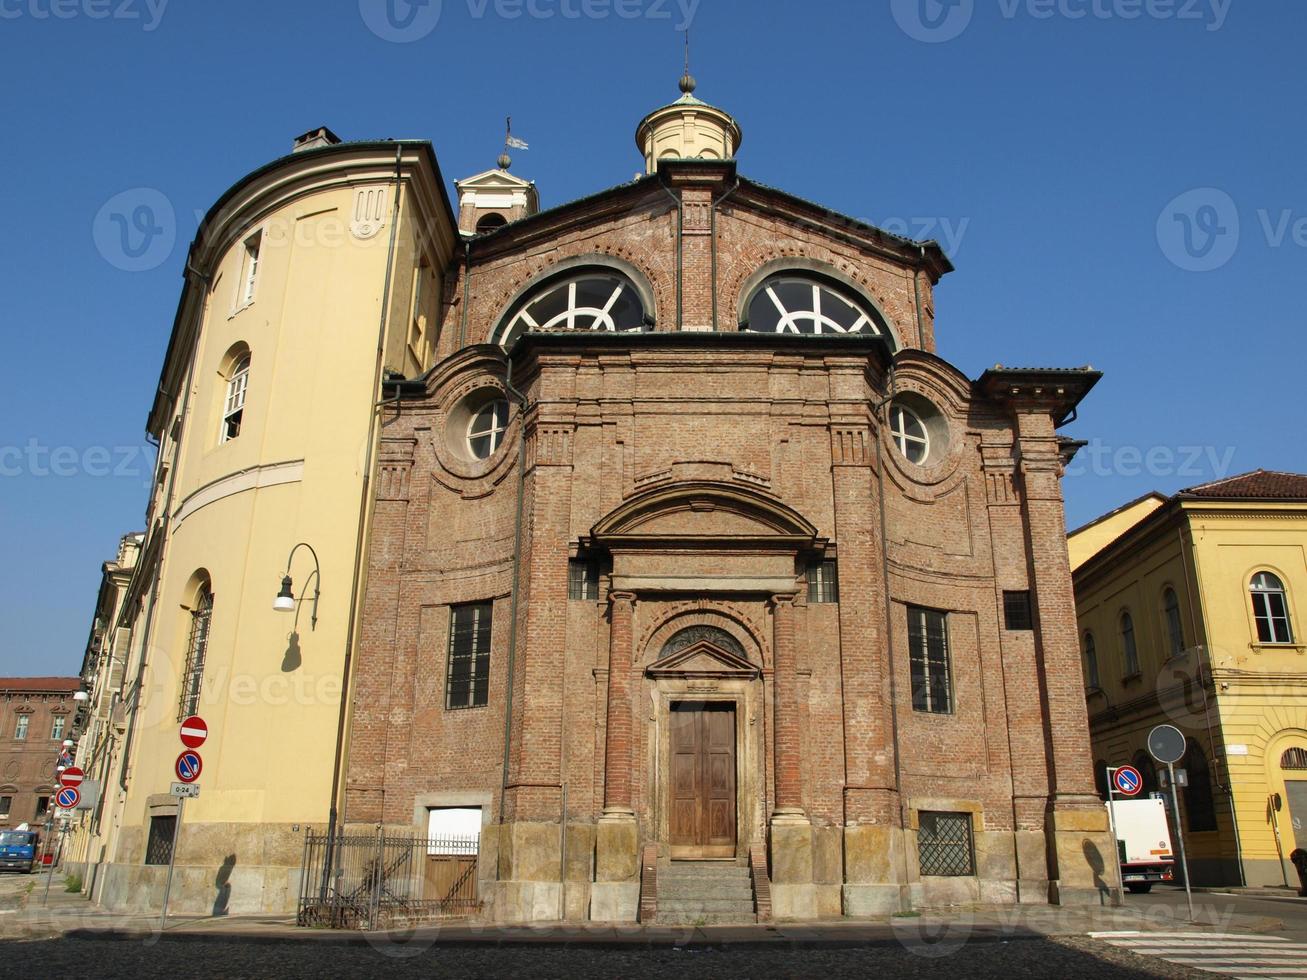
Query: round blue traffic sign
x=68 y=797
x=1127 y=780
x=189 y=765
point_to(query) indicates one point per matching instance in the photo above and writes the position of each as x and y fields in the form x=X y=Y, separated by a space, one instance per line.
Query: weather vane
x=511 y=142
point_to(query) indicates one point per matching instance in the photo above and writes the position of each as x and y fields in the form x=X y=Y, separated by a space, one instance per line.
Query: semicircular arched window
x=796 y=303
x=591 y=299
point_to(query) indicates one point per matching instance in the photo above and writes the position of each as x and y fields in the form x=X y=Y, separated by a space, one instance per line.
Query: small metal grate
x=944 y=844
x=158 y=849
x=1294 y=758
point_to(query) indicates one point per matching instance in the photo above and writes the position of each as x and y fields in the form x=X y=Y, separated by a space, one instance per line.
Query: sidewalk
x=73 y=916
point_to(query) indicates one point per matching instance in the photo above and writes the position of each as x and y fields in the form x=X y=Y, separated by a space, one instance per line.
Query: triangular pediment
x=494 y=180
x=702 y=659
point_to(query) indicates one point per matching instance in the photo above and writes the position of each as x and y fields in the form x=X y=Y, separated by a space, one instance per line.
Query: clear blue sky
x=1046 y=150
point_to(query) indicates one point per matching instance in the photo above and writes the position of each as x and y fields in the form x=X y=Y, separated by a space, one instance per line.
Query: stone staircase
x=704 y=893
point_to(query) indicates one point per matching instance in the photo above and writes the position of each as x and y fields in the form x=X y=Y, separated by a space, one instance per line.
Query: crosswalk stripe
x=1253 y=956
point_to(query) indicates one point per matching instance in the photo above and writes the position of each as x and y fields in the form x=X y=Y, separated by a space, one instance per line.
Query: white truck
x=1143 y=843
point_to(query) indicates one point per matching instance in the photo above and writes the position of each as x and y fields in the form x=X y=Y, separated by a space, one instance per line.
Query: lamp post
x=286 y=601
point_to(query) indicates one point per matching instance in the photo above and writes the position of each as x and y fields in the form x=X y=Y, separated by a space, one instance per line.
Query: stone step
x=686 y=906
x=705 y=919
x=709 y=887
x=740 y=896
x=702 y=870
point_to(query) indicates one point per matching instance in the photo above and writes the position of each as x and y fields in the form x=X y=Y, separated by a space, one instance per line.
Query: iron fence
x=382 y=881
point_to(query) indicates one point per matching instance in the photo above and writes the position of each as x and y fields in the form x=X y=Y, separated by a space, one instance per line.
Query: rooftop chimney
x=314 y=138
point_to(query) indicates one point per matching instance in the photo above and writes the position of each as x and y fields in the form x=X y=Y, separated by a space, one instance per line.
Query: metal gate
x=380 y=881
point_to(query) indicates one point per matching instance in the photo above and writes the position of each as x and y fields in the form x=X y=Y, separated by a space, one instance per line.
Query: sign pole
x=1179 y=835
x=1111 y=823
x=172 y=860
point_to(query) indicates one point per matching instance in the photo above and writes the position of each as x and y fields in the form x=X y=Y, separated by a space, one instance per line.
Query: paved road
x=1003 y=961
x=1166 y=906
x=1230 y=954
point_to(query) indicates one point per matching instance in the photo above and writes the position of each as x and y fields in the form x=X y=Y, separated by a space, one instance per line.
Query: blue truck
x=17 y=850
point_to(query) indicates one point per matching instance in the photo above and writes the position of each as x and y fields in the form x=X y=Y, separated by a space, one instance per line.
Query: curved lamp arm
x=286 y=600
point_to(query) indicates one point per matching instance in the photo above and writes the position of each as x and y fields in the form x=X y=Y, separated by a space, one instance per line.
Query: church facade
x=689 y=548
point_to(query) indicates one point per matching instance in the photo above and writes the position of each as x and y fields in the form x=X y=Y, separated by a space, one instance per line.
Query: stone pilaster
x=615 y=895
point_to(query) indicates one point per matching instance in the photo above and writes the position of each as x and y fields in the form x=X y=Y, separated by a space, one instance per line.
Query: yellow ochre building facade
x=310 y=281
x=1190 y=611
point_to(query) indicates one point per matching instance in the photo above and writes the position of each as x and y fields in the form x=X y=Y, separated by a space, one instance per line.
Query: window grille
x=1129 y=651
x=1174 y=628
x=468 y=683
x=823 y=582
x=582 y=579
x=158 y=848
x=1091 y=663
x=929 y=660
x=196 y=651
x=1016 y=611
x=1294 y=758
x=944 y=845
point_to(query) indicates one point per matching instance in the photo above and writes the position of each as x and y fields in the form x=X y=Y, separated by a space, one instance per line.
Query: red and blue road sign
x=72 y=776
x=68 y=797
x=1127 y=780
x=194 y=732
x=189 y=765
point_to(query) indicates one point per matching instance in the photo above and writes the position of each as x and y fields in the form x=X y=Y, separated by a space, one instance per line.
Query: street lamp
x=285 y=600
x=81 y=696
x=68 y=743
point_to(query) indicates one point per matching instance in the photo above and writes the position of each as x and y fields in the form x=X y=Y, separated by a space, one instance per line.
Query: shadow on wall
x=1094 y=857
x=292 y=659
x=222 y=882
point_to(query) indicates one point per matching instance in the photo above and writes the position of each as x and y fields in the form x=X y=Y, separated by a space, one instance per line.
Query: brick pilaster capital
x=783 y=599
x=617 y=598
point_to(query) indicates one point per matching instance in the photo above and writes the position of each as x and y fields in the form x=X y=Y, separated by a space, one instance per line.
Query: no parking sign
x=1127 y=781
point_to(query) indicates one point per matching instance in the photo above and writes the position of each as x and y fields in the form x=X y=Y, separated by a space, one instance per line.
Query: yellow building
x=1190 y=612
x=309 y=282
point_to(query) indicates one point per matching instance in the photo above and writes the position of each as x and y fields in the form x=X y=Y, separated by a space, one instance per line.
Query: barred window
x=944 y=845
x=1016 y=611
x=197 y=650
x=1294 y=758
x=929 y=658
x=158 y=848
x=468 y=684
x=582 y=579
x=823 y=582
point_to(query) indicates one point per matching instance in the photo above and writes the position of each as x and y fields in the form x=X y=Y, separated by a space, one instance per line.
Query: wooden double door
x=703 y=780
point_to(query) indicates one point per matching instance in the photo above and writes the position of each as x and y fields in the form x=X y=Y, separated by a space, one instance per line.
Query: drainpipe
x=680 y=249
x=713 y=231
x=916 y=289
x=334 y=815
x=1207 y=710
x=467 y=291
x=517 y=578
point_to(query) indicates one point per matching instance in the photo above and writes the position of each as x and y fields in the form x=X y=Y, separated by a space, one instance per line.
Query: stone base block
x=614 y=901
x=998 y=892
x=1062 y=895
x=527 y=901
x=791 y=852
x=871 y=855
x=940 y=891
x=617 y=849
x=1084 y=855
x=1032 y=891
x=873 y=901
x=793 y=901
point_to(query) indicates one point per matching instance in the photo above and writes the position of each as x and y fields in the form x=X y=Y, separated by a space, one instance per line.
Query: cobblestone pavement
x=1069 y=958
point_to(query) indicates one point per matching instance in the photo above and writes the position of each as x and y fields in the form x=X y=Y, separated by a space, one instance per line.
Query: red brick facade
x=703 y=469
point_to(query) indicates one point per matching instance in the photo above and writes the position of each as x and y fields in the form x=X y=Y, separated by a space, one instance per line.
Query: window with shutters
x=1092 y=679
x=929 y=660
x=233 y=409
x=944 y=844
x=1271 y=609
x=1129 y=652
x=1174 y=628
x=468 y=683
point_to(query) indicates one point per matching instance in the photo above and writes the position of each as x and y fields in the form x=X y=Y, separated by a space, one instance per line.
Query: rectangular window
x=249 y=269
x=196 y=652
x=57 y=730
x=158 y=849
x=20 y=729
x=468 y=684
x=929 y=658
x=944 y=845
x=582 y=579
x=6 y=804
x=1272 y=615
x=1016 y=611
x=823 y=582
x=42 y=807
